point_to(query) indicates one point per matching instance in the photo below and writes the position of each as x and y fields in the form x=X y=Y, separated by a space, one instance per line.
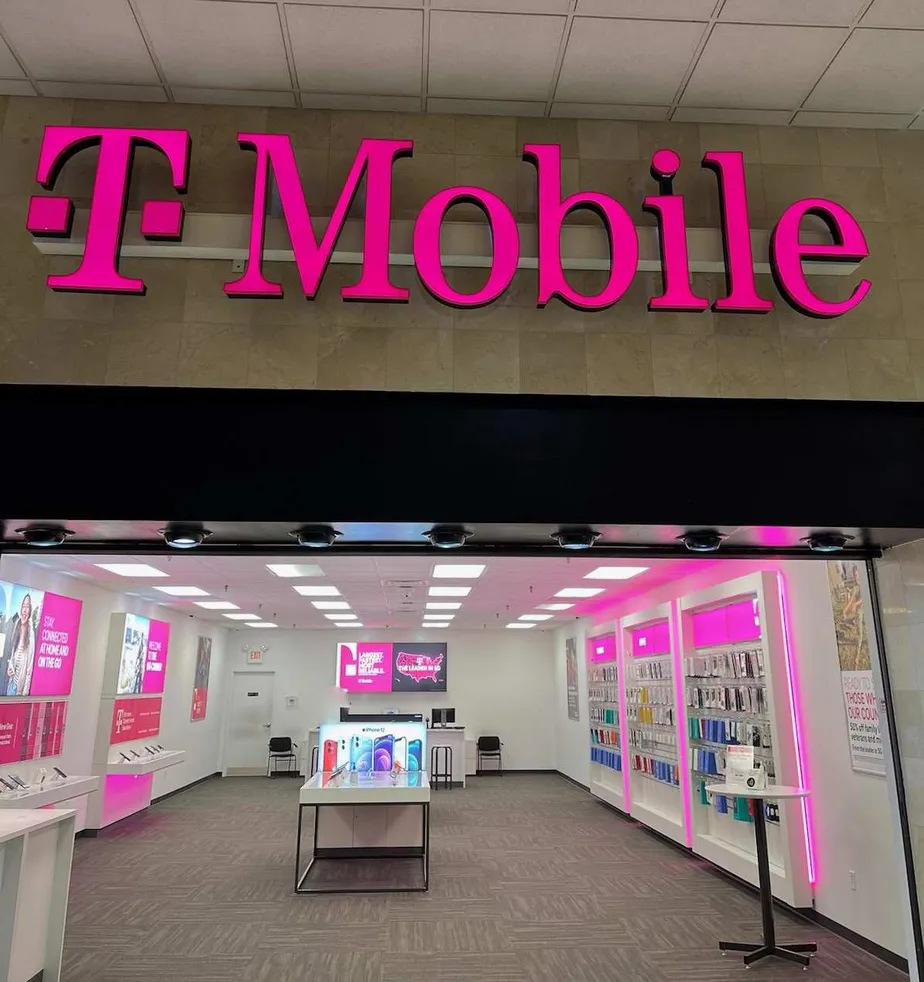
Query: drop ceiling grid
x=418 y=51
x=508 y=587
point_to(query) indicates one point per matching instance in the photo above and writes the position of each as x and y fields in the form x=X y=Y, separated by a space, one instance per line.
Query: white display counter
x=366 y=816
x=50 y=793
x=36 y=849
x=463 y=751
x=148 y=763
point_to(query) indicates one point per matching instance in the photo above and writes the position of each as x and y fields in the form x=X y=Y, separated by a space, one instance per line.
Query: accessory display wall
x=606 y=711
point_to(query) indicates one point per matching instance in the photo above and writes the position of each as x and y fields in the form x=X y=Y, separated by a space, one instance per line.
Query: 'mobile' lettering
x=99 y=266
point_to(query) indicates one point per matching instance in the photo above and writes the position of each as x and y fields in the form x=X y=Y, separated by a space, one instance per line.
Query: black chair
x=281 y=748
x=490 y=748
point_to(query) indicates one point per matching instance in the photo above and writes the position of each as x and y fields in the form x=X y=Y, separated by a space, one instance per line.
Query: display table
x=36 y=848
x=365 y=816
x=798 y=953
x=147 y=763
x=50 y=793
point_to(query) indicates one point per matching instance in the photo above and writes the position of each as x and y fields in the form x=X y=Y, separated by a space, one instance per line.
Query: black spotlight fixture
x=827 y=541
x=576 y=536
x=179 y=536
x=704 y=540
x=44 y=536
x=316 y=536
x=448 y=536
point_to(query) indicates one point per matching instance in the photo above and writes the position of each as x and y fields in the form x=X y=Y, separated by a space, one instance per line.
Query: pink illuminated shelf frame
x=612 y=653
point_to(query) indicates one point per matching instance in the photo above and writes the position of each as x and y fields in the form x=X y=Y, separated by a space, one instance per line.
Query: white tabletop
x=775 y=791
x=16 y=822
x=350 y=788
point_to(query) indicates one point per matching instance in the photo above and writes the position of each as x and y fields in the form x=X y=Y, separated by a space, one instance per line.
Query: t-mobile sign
x=384 y=666
x=98 y=269
x=135 y=719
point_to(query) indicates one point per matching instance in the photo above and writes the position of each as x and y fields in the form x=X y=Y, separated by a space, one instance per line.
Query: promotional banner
x=38 y=641
x=571 y=677
x=31 y=730
x=369 y=747
x=602 y=649
x=201 y=682
x=383 y=666
x=850 y=625
x=143 y=662
x=134 y=719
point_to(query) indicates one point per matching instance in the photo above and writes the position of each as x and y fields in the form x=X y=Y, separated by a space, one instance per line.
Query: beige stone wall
x=185 y=332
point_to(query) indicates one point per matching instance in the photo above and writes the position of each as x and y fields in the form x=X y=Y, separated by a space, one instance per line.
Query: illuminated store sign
x=52 y=215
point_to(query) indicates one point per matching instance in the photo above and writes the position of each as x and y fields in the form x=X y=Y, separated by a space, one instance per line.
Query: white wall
x=200 y=740
x=500 y=682
x=853 y=823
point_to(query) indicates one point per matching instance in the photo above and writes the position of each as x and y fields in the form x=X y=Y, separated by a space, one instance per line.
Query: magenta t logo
x=52 y=215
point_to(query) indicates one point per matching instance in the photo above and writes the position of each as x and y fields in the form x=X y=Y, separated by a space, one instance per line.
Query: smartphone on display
x=8 y=784
x=413 y=779
x=413 y=755
x=400 y=760
x=361 y=754
x=383 y=751
x=59 y=772
x=330 y=756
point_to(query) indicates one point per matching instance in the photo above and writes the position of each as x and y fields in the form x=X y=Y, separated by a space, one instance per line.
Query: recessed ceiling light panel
x=554 y=606
x=294 y=569
x=519 y=626
x=436 y=624
x=317 y=591
x=579 y=591
x=458 y=571
x=535 y=617
x=449 y=591
x=438 y=617
x=138 y=570
x=182 y=591
x=262 y=624
x=330 y=605
x=615 y=572
x=216 y=605
x=242 y=617
x=341 y=617
x=348 y=624
x=437 y=605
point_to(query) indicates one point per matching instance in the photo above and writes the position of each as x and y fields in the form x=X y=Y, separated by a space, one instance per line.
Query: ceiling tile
x=750 y=67
x=14 y=86
x=9 y=66
x=84 y=40
x=587 y=110
x=89 y=90
x=763 y=117
x=649 y=9
x=875 y=71
x=836 y=12
x=485 y=107
x=234 y=97
x=871 y=121
x=348 y=50
x=217 y=43
x=506 y=6
x=614 y=61
x=493 y=56
x=376 y=103
x=894 y=13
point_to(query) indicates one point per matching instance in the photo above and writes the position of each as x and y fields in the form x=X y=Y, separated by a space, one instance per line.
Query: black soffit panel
x=116 y=463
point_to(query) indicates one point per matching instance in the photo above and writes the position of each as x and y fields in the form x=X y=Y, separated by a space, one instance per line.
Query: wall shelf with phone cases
x=739 y=689
x=606 y=711
x=655 y=718
x=40 y=794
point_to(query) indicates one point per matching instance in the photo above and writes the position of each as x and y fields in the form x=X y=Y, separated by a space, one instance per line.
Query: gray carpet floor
x=532 y=880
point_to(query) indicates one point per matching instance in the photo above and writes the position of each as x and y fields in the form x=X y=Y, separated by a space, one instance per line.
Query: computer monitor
x=440 y=717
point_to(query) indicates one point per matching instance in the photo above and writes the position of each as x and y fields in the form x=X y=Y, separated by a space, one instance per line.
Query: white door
x=251 y=722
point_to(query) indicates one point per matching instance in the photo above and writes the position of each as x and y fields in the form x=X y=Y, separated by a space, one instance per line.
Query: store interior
x=615 y=687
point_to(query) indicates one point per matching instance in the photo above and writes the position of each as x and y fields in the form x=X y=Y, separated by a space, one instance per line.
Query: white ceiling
x=387 y=592
x=828 y=62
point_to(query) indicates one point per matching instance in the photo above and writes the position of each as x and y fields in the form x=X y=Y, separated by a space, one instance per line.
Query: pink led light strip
x=683 y=761
x=801 y=769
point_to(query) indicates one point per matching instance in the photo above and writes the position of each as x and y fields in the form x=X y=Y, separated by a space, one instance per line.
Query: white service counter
x=463 y=750
x=36 y=849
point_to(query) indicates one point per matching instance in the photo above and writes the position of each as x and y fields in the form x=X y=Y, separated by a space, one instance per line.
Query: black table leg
x=755 y=951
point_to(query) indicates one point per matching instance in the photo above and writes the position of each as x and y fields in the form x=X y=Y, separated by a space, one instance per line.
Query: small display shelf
x=147 y=763
x=737 y=692
x=50 y=792
x=607 y=776
x=656 y=777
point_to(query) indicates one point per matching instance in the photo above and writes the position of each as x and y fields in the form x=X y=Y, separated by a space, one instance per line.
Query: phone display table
x=147 y=763
x=361 y=816
x=49 y=793
x=36 y=849
x=798 y=953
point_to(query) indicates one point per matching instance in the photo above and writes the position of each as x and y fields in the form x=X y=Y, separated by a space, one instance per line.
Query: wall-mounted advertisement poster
x=853 y=652
x=571 y=678
x=38 y=641
x=201 y=681
x=134 y=719
x=386 y=666
x=31 y=730
x=143 y=661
